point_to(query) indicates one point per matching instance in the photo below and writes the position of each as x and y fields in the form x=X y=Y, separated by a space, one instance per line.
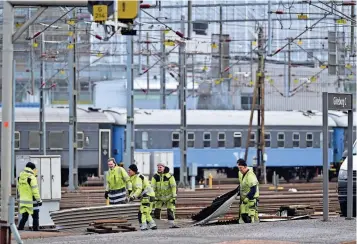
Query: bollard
x=210 y=181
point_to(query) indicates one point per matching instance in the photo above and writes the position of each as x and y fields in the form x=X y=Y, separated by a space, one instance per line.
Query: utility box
x=49 y=183
x=165 y=157
x=142 y=161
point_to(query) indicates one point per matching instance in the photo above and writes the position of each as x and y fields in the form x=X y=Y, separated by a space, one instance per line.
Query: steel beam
x=61 y=3
x=25 y=26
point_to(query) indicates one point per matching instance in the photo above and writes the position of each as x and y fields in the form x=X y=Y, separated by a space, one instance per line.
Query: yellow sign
x=341 y=21
x=169 y=43
x=299 y=42
x=313 y=79
x=35 y=44
x=128 y=9
x=214 y=45
x=348 y=66
x=323 y=67
x=296 y=81
x=100 y=12
x=302 y=16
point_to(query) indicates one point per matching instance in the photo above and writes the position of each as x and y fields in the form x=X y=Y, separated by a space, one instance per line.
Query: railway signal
x=101 y=10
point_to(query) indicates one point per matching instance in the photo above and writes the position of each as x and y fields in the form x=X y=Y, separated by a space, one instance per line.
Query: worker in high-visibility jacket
x=118 y=183
x=142 y=190
x=29 y=197
x=249 y=193
x=164 y=185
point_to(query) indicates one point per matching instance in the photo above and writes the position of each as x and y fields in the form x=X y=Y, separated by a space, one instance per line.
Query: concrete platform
x=337 y=230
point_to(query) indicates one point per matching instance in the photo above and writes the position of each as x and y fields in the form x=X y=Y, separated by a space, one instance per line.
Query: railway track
x=190 y=202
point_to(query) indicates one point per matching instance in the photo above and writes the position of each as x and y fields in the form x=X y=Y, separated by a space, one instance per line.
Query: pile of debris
x=110 y=226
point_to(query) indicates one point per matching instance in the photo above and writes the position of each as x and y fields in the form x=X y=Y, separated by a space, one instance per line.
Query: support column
x=43 y=143
x=130 y=104
x=7 y=114
x=73 y=93
x=163 y=71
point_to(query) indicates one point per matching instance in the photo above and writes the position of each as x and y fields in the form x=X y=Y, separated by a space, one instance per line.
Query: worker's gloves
x=129 y=192
x=39 y=203
x=106 y=194
x=173 y=200
x=245 y=200
x=132 y=198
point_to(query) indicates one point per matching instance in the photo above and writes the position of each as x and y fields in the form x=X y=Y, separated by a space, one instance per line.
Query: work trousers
x=248 y=212
x=171 y=207
x=35 y=222
x=117 y=196
x=144 y=215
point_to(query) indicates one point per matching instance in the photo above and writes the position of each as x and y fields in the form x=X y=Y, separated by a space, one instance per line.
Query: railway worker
x=249 y=193
x=29 y=195
x=143 y=190
x=118 y=182
x=164 y=185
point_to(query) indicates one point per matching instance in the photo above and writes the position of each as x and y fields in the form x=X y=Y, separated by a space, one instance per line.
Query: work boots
x=152 y=225
x=143 y=227
x=172 y=224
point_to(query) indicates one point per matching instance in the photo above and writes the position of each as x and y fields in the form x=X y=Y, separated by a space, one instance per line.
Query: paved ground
x=337 y=230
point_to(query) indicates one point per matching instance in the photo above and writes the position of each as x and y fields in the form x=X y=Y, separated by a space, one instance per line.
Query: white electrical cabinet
x=165 y=157
x=49 y=183
x=142 y=161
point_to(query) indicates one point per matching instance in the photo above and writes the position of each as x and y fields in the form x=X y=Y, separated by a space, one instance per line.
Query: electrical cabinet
x=48 y=180
x=142 y=161
x=165 y=157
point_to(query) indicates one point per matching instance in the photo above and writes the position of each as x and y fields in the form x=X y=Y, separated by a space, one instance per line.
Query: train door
x=104 y=150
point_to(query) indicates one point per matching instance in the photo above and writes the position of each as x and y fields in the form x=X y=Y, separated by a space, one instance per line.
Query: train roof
x=341 y=118
x=218 y=117
x=60 y=114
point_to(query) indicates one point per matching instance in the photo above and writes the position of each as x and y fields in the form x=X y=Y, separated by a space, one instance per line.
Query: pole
x=32 y=78
x=7 y=113
x=72 y=90
x=183 y=132
x=260 y=80
x=286 y=76
x=162 y=72
x=130 y=103
x=220 y=42
x=13 y=124
x=147 y=64
x=289 y=68
x=325 y=155
x=350 y=165
x=139 y=42
x=42 y=99
x=269 y=27
x=352 y=30
x=189 y=19
x=251 y=61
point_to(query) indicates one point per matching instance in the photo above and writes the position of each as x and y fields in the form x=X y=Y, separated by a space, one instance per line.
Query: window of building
x=80 y=140
x=237 y=137
x=281 y=139
x=34 y=140
x=56 y=140
x=309 y=139
x=144 y=140
x=207 y=139
x=17 y=140
x=221 y=139
x=267 y=139
x=252 y=139
x=190 y=139
x=296 y=139
x=175 y=139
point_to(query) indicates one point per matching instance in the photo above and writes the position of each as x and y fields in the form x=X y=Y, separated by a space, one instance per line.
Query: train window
x=237 y=139
x=221 y=139
x=309 y=139
x=190 y=139
x=144 y=140
x=34 y=140
x=281 y=139
x=17 y=140
x=267 y=139
x=296 y=139
x=207 y=139
x=56 y=139
x=252 y=139
x=80 y=140
x=175 y=139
